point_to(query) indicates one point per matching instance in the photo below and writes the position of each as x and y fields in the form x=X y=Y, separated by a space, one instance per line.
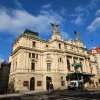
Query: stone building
x=36 y=62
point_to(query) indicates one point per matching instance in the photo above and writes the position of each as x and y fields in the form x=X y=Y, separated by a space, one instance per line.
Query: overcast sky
x=72 y=15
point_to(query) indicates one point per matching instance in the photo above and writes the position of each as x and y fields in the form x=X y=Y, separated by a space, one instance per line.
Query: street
x=58 y=95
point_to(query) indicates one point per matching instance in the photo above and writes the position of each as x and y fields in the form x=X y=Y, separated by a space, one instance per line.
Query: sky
x=82 y=16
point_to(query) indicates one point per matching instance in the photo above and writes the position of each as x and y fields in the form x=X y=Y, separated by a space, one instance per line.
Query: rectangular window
x=48 y=66
x=29 y=55
x=68 y=65
x=33 y=44
x=33 y=55
x=33 y=66
x=39 y=83
x=25 y=83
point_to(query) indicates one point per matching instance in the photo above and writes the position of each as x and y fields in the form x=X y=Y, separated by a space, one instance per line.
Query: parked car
x=75 y=84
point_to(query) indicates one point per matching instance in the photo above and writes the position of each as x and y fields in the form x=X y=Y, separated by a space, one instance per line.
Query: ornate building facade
x=36 y=62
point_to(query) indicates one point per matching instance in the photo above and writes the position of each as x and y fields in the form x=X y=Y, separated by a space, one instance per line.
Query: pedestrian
x=51 y=88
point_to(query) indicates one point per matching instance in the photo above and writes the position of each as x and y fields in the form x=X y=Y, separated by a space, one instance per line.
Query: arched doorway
x=32 y=83
x=48 y=80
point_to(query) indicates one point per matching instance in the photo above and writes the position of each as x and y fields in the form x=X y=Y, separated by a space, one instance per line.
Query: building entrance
x=48 y=80
x=32 y=83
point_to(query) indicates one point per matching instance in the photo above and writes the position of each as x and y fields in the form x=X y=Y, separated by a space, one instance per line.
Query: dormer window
x=59 y=46
x=33 y=44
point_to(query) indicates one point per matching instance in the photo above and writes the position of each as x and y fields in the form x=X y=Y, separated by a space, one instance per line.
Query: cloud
x=98 y=12
x=46 y=6
x=1 y=60
x=18 y=4
x=15 y=21
x=82 y=12
x=65 y=35
x=94 y=25
x=79 y=9
x=94 y=4
x=78 y=20
x=79 y=16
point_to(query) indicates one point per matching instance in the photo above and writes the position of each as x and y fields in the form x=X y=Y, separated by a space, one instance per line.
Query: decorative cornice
x=48 y=50
x=66 y=43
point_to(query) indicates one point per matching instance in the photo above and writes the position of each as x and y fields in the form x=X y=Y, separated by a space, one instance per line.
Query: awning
x=88 y=74
x=79 y=74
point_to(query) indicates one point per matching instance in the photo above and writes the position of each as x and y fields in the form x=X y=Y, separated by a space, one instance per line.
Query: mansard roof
x=30 y=34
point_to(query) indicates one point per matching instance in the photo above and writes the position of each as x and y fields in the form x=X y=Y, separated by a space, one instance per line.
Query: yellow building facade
x=36 y=62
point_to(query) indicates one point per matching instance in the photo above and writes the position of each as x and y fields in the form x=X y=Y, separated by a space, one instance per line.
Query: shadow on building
x=4 y=76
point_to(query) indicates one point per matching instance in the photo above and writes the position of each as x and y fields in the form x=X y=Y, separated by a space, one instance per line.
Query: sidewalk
x=93 y=88
x=11 y=95
x=22 y=94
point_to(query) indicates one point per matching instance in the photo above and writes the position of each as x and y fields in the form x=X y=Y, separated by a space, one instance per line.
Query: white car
x=75 y=84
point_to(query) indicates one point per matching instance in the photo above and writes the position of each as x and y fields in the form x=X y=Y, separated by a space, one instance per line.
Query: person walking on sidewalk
x=51 y=88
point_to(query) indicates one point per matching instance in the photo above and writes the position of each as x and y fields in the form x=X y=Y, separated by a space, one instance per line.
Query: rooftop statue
x=55 y=27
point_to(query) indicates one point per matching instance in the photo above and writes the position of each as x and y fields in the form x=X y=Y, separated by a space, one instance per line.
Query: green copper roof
x=30 y=34
x=33 y=37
